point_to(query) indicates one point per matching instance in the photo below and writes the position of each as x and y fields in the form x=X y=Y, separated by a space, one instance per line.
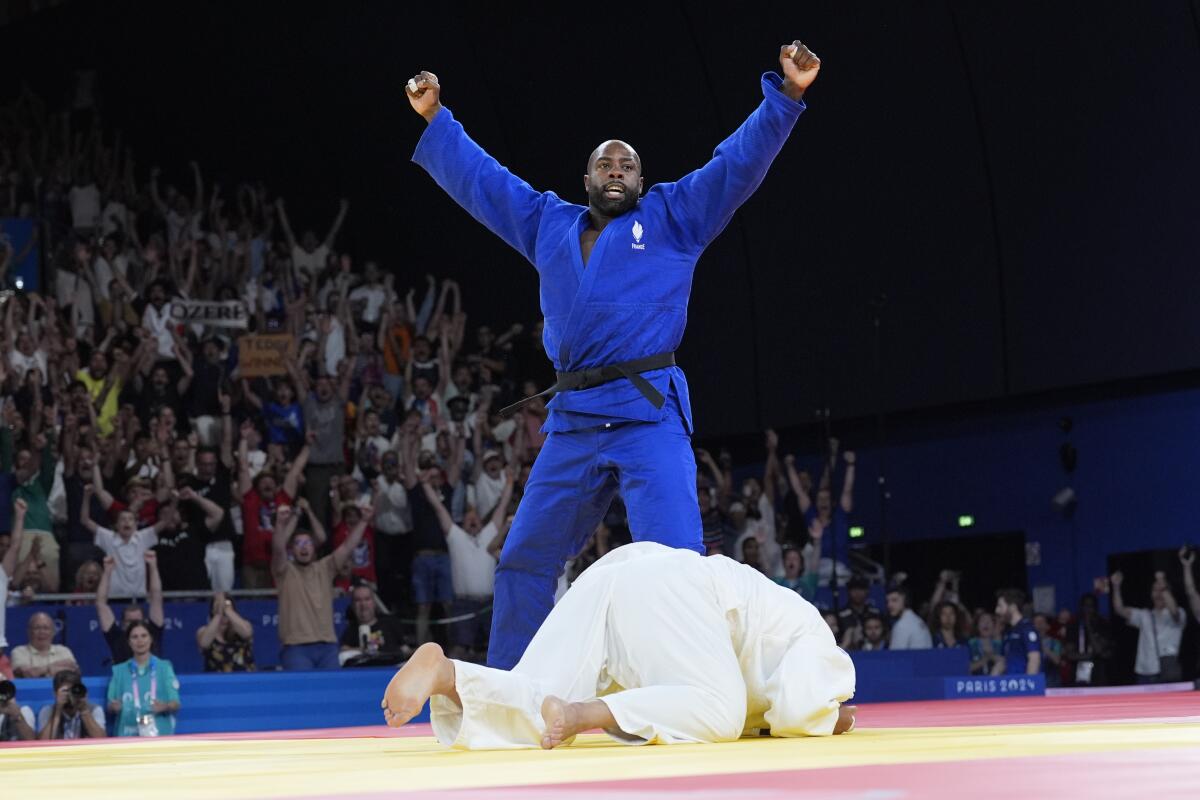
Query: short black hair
x=64 y=676
x=901 y=590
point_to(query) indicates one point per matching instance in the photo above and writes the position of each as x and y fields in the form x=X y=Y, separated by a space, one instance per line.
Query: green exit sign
x=856 y=532
x=966 y=521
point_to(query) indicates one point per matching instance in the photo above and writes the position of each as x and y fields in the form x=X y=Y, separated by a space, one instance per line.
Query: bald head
x=614 y=179
x=617 y=149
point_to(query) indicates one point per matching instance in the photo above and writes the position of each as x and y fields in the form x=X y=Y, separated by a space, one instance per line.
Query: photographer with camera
x=70 y=716
x=16 y=721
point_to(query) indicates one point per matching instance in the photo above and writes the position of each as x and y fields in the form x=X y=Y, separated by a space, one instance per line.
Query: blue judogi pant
x=570 y=488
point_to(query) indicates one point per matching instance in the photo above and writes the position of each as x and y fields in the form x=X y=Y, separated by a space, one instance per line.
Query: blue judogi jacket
x=631 y=299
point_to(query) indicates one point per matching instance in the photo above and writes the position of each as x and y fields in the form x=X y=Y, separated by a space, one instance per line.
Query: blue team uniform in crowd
x=1019 y=641
x=628 y=302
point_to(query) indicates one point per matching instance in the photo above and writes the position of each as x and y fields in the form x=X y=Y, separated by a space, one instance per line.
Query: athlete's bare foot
x=427 y=673
x=845 y=722
x=565 y=720
x=561 y=720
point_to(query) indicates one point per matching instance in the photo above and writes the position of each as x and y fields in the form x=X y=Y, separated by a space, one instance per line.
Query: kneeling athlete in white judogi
x=651 y=644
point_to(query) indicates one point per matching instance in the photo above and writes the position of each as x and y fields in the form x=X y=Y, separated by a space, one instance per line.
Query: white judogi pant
x=680 y=647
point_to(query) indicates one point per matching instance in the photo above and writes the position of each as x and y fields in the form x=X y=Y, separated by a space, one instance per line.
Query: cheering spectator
x=262 y=497
x=212 y=482
x=41 y=658
x=393 y=521
x=1187 y=556
x=325 y=416
x=33 y=471
x=474 y=550
x=1022 y=645
x=71 y=715
x=836 y=520
x=306 y=591
x=143 y=691
x=114 y=634
x=362 y=558
x=1160 y=630
x=309 y=255
x=183 y=540
x=126 y=546
x=909 y=631
x=227 y=641
x=432 y=581
x=8 y=567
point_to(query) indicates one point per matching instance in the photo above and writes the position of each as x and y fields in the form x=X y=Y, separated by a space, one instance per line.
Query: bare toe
x=554 y=714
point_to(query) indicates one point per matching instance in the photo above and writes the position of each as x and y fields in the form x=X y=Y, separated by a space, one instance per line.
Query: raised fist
x=110 y=563
x=1117 y=578
x=800 y=67
x=850 y=458
x=424 y=94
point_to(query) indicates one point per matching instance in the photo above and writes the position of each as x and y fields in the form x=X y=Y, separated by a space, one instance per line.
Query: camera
x=78 y=691
x=8 y=690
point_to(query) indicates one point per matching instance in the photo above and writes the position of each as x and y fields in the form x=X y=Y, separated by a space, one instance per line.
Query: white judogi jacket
x=682 y=648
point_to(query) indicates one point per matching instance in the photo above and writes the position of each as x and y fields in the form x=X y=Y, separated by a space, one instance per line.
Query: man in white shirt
x=127 y=545
x=309 y=257
x=157 y=319
x=654 y=645
x=372 y=295
x=909 y=631
x=26 y=356
x=1160 y=630
x=41 y=658
x=489 y=481
x=474 y=550
x=393 y=522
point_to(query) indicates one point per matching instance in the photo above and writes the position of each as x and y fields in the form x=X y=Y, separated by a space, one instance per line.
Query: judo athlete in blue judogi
x=615 y=279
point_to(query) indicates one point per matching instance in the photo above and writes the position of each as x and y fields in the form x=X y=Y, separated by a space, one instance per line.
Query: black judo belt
x=587 y=378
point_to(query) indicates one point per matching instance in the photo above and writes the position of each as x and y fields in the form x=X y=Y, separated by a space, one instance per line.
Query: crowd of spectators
x=141 y=456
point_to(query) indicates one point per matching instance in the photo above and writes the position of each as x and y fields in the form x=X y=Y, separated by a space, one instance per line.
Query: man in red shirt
x=261 y=498
x=362 y=557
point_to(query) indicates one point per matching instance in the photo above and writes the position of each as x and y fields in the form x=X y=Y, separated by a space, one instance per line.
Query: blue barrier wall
x=80 y=631
x=248 y=701
x=350 y=697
